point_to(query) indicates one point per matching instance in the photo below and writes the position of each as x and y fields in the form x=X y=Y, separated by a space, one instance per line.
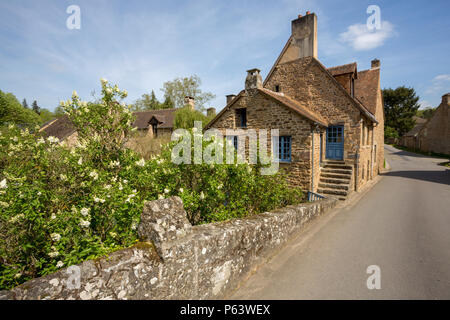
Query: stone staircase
x=336 y=179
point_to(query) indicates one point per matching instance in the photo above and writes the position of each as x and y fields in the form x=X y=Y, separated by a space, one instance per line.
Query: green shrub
x=60 y=206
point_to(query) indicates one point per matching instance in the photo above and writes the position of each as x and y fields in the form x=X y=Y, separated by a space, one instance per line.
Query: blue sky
x=141 y=44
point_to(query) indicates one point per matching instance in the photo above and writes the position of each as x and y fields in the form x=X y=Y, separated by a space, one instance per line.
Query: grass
x=430 y=154
x=146 y=145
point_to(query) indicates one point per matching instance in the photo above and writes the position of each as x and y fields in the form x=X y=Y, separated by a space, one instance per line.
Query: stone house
x=330 y=120
x=411 y=138
x=434 y=136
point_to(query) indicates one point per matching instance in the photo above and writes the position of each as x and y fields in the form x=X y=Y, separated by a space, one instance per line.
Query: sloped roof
x=415 y=130
x=343 y=69
x=164 y=116
x=294 y=106
x=61 y=128
x=366 y=88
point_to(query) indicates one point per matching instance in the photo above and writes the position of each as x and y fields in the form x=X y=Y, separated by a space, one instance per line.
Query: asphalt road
x=402 y=225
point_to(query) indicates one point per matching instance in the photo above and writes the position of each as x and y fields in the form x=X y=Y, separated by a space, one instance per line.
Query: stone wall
x=176 y=260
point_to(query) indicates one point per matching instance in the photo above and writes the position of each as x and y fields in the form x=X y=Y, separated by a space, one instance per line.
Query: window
x=234 y=140
x=277 y=88
x=241 y=118
x=284 y=148
x=352 y=87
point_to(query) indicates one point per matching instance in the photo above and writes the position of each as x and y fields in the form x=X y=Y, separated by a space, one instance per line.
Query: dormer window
x=241 y=117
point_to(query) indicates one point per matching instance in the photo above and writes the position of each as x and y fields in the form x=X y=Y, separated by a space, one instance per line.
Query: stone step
x=334 y=180
x=332 y=192
x=335 y=176
x=338 y=166
x=333 y=162
x=333 y=186
x=328 y=170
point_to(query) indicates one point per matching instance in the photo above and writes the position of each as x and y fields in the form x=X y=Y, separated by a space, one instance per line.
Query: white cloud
x=440 y=83
x=361 y=38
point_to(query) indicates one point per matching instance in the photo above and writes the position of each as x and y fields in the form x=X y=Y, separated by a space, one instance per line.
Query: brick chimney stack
x=253 y=80
x=375 y=63
x=230 y=97
x=211 y=112
x=189 y=101
x=304 y=36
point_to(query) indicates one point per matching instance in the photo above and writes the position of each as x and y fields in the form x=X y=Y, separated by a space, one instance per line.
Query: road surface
x=401 y=225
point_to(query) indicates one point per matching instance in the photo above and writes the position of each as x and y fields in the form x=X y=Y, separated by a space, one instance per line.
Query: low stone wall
x=176 y=260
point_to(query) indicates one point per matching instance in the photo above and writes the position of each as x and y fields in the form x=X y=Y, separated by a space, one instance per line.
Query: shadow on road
x=442 y=177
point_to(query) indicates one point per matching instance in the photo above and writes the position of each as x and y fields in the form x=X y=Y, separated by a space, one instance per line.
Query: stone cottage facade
x=432 y=135
x=435 y=134
x=330 y=120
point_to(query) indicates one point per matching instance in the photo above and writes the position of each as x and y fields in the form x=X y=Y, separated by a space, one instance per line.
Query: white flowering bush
x=62 y=205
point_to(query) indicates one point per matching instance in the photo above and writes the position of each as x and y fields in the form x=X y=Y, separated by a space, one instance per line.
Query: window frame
x=284 y=146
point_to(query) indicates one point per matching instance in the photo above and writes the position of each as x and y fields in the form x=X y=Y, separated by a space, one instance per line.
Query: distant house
x=411 y=138
x=154 y=122
x=330 y=120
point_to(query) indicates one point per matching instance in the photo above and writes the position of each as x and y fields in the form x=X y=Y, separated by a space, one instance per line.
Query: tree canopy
x=400 y=105
x=179 y=88
x=12 y=111
x=150 y=102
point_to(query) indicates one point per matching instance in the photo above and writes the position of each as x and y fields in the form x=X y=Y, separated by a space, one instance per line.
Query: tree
x=59 y=112
x=426 y=113
x=179 y=88
x=46 y=115
x=147 y=102
x=25 y=104
x=185 y=118
x=12 y=111
x=35 y=107
x=400 y=105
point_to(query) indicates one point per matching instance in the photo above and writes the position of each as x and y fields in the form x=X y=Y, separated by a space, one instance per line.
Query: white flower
x=113 y=234
x=63 y=177
x=99 y=200
x=3 y=184
x=39 y=193
x=84 y=211
x=94 y=175
x=181 y=190
x=52 y=139
x=60 y=264
x=125 y=181
x=134 y=225
x=40 y=141
x=108 y=186
x=113 y=164
x=55 y=237
x=141 y=163
x=53 y=254
x=74 y=94
x=166 y=191
x=15 y=139
x=53 y=217
x=4 y=204
x=18 y=275
x=220 y=186
x=80 y=161
x=202 y=195
x=85 y=223
x=103 y=81
x=160 y=197
x=120 y=186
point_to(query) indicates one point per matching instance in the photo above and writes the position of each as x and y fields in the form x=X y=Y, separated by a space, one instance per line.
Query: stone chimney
x=211 y=112
x=375 y=63
x=230 y=97
x=189 y=101
x=304 y=36
x=253 y=80
x=446 y=99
